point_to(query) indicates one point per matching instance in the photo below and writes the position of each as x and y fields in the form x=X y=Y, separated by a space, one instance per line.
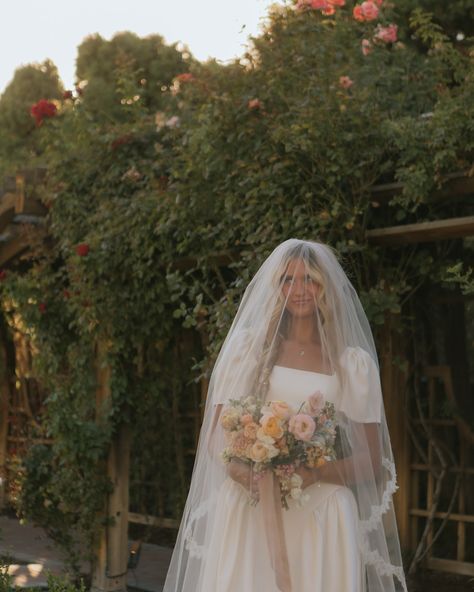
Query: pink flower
x=302 y=426
x=386 y=34
x=246 y=419
x=254 y=104
x=329 y=10
x=366 y=46
x=345 y=81
x=367 y=11
x=315 y=403
x=319 y=4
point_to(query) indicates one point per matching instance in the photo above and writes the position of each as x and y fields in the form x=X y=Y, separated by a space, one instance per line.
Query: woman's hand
x=242 y=473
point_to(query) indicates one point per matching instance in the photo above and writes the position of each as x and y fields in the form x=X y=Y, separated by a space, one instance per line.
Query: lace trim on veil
x=194 y=548
x=371 y=556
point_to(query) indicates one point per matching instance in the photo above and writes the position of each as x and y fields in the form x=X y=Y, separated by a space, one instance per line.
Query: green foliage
x=64 y=584
x=239 y=158
x=6 y=580
x=148 y=65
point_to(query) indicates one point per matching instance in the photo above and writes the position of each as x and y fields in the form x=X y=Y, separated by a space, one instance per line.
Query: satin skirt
x=321 y=540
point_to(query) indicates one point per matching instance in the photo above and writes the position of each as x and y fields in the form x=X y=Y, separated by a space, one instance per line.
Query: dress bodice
x=294 y=385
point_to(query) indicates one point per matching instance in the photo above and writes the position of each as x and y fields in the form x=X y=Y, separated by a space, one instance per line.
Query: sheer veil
x=343 y=346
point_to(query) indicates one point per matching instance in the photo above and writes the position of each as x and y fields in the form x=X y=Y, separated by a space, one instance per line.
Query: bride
x=300 y=340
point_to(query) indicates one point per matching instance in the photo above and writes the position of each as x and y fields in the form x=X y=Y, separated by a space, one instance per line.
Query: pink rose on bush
x=345 y=81
x=254 y=104
x=367 y=11
x=319 y=4
x=366 y=46
x=302 y=426
x=386 y=34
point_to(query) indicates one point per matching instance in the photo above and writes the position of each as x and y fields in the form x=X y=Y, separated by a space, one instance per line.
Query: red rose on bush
x=42 y=307
x=3 y=275
x=42 y=109
x=185 y=77
x=82 y=249
x=126 y=139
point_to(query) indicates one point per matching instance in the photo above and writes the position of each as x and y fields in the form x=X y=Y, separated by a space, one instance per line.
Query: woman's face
x=299 y=289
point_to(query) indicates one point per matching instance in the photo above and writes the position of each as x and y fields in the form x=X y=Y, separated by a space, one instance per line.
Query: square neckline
x=301 y=370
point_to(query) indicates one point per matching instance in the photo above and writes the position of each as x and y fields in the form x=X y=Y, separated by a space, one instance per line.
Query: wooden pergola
x=20 y=208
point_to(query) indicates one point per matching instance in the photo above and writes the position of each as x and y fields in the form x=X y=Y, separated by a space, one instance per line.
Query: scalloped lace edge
x=371 y=556
x=376 y=512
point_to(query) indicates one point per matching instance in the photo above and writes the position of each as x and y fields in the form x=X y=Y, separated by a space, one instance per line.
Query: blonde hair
x=279 y=320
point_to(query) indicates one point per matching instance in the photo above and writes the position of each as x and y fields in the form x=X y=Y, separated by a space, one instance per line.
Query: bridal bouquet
x=273 y=436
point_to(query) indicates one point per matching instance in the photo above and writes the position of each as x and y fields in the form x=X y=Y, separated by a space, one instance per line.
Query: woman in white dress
x=300 y=331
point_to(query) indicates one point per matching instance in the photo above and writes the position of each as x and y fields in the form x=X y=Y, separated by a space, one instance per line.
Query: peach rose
x=271 y=426
x=281 y=409
x=230 y=419
x=260 y=452
x=250 y=431
x=246 y=419
x=302 y=426
x=240 y=444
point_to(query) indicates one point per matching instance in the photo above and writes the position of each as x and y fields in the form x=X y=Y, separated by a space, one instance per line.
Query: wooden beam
x=13 y=248
x=454 y=185
x=152 y=520
x=422 y=231
x=110 y=567
x=391 y=345
x=4 y=410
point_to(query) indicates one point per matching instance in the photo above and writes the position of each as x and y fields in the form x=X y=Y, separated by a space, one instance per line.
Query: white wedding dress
x=321 y=536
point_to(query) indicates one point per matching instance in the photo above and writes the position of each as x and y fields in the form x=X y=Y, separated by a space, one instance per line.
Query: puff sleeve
x=233 y=370
x=361 y=397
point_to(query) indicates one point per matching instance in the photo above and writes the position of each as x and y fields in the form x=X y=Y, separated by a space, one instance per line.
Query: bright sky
x=32 y=31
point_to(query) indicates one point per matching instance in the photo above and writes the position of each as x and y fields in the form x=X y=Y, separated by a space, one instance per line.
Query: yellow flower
x=271 y=426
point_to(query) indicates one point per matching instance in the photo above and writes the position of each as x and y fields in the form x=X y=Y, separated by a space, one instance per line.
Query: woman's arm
x=358 y=467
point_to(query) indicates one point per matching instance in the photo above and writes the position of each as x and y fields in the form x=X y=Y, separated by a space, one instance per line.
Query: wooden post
x=110 y=569
x=4 y=411
x=393 y=387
